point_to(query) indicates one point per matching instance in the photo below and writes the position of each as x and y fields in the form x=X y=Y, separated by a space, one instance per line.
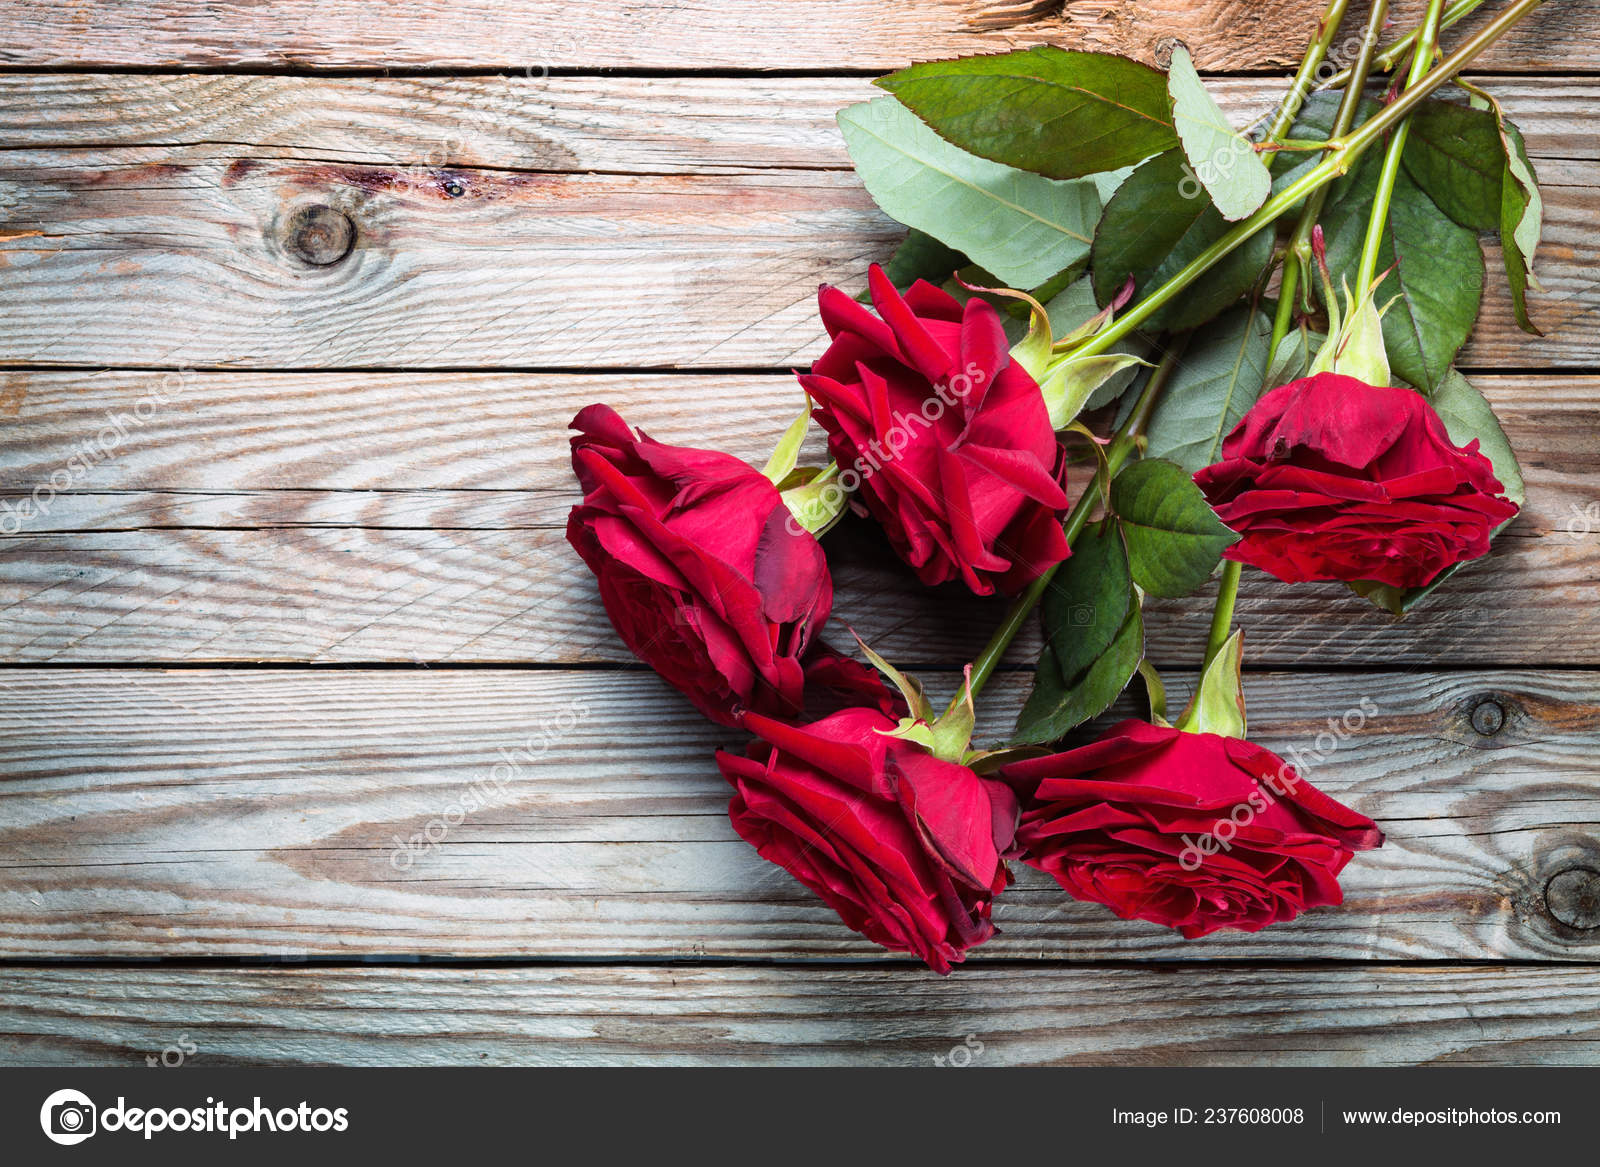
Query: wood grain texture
x=352 y=518
x=697 y=34
x=491 y=249
x=1384 y=1015
x=656 y=125
x=496 y=814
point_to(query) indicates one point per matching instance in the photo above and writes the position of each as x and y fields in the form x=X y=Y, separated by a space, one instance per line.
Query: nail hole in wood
x=319 y=235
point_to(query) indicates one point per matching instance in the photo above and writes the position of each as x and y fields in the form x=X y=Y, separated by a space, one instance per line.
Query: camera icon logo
x=68 y=1117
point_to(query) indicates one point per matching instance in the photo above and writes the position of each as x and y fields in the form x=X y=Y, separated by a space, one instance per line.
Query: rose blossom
x=700 y=571
x=1331 y=478
x=906 y=847
x=946 y=437
x=1192 y=830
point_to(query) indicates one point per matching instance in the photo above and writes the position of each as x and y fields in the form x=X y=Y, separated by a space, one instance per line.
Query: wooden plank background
x=315 y=583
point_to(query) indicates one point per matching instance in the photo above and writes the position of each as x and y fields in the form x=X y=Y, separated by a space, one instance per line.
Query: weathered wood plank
x=187 y=249
x=560 y=124
x=403 y=517
x=171 y=264
x=311 y=813
x=1385 y=1015
x=739 y=34
x=615 y=124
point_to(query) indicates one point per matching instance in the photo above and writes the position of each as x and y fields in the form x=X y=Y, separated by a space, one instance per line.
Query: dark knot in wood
x=1573 y=897
x=1488 y=717
x=319 y=235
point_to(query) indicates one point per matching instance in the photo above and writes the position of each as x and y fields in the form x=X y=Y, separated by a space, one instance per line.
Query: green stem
x=1297 y=255
x=1316 y=53
x=1341 y=157
x=1373 y=243
x=1122 y=445
x=1222 y=614
x=1394 y=52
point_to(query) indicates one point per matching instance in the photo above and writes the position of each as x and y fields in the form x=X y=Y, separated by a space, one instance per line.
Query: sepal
x=1218 y=703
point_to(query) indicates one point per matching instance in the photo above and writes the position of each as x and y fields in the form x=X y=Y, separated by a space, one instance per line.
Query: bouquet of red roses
x=1245 y=338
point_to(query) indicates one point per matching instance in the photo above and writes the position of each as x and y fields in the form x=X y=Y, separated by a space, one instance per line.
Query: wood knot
x=1163 y=49
x=1572 y=897
x=1488 y=717
x=319 y=235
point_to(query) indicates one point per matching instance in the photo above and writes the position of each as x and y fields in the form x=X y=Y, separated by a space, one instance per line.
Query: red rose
x=907 y=848
x=1332 y=478
x=1192 y=830
x=701 y=571
x=946 y=437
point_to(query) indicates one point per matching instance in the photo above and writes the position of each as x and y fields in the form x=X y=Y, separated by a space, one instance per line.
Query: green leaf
x=1466 y=415
x=1019 y=226
x=1454 y=153
x=1473 y=163
x=1219 y=379
x=1087 y=601
x=1094 y=637
x=1175 y=539
x=1521 y=215
x=1218 y=703
x=1224 y=162
x=920 y=257
x=1158 y=221
x=1055 y=708
x=1438 y=274
x=1051 y=111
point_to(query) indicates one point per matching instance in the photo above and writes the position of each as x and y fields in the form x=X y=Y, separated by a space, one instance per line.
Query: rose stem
x=1122 y=445
x=1316 y=52
x=1343 y=153
x=1222 y=614
x=1370 y=246
x=1396 y=51
x=1296 y=256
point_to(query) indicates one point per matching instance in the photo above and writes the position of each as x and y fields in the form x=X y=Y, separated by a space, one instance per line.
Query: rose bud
x=905 y=846
x=1197 y=831
x=946 y=439
x=701 y=570
x=1330 y=478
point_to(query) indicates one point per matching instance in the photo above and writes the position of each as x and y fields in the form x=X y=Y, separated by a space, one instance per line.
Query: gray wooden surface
x=296 y=615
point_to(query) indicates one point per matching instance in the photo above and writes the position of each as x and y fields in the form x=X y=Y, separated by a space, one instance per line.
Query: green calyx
x=1066 y=378
x=947 y=736
x=1218 y=703
x=815 y=500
